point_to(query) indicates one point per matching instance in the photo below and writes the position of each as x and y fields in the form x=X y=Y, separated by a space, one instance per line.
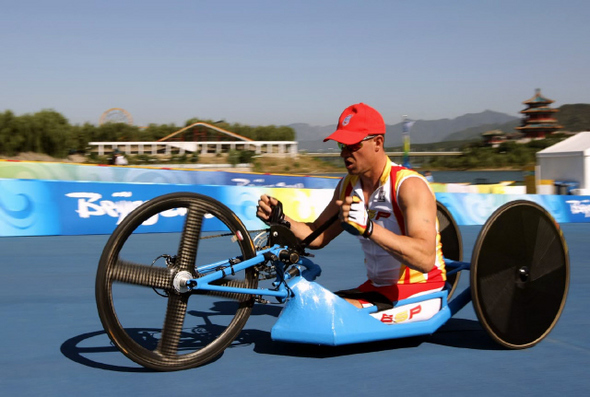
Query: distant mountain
x=474 y=133
x=574 y=118
x=439 y=130
x=423 y=131
x=470 y=126
x=305 y=132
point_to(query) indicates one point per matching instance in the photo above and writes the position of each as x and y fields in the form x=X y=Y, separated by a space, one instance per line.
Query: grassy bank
x=301 y=164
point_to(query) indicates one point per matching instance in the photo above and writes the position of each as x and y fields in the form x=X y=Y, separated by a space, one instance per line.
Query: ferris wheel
x=116 y=115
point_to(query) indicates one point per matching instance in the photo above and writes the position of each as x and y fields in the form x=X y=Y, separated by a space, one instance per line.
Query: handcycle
x=519 y=277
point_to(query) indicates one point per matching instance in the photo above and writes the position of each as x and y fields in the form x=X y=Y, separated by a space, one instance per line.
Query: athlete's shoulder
x=402 y=172
x=346 y=185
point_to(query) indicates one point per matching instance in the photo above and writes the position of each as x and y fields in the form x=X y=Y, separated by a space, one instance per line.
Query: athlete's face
x=359 y=158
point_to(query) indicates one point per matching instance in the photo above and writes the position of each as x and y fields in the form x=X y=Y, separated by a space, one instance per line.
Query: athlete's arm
x=303 y=229
x=417 y=249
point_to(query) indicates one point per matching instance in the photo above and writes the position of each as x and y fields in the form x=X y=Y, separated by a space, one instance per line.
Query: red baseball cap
x=357 y=122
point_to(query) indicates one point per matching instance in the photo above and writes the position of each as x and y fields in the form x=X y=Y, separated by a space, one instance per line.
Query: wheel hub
x=180 y=281
x=524 y=274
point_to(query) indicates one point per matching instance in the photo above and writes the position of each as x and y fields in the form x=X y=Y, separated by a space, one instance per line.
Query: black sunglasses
x=356 y=146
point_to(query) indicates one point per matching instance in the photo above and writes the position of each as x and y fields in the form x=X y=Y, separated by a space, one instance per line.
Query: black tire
x=452 y=243
x=519 y=274
x=119 y=275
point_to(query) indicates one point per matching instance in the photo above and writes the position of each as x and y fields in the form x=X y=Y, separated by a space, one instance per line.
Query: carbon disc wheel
x=519 y=274
x=452 y=244
x=140 y=300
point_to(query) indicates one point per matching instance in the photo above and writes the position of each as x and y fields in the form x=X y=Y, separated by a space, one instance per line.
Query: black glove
x=277 y=215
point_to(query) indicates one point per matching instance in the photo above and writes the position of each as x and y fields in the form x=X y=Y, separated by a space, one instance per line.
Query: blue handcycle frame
x=313 y=314
x=518 y=286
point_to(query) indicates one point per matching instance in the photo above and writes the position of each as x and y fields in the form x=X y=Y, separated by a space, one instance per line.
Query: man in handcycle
x=393 y=212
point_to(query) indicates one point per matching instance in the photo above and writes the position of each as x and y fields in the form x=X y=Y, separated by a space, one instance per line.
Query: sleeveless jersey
x=382 y=268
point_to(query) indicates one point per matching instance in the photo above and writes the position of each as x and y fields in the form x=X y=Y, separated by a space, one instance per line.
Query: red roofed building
x=538 y=120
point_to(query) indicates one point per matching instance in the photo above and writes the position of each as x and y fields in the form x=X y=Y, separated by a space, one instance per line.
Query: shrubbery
x=236 y=157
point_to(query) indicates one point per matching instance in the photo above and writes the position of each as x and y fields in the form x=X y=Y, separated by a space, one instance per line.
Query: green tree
x=10 y=142
x=154 y=132
x=116 y=132
x=53 y=133
x=81 y=135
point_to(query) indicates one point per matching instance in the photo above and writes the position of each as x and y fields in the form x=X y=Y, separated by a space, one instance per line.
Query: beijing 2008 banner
x=43 y=208
x=475 y=209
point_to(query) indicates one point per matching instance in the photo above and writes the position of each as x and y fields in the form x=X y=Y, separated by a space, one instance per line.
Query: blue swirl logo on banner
x=27 y=208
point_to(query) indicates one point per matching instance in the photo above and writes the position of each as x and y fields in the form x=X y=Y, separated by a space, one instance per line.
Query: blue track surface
x=52 y=342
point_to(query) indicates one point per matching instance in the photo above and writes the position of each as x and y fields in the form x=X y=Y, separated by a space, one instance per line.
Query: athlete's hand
x=270 y=210
x=354 y=217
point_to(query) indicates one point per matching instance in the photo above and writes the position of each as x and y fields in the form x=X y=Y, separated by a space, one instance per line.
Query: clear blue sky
x=281 y=62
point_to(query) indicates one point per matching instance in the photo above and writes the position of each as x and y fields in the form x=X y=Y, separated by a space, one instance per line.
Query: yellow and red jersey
x=382 y=268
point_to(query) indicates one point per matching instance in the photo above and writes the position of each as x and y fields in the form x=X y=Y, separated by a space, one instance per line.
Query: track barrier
x=33 y=207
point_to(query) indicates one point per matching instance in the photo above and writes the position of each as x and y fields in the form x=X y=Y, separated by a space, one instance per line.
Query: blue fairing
x=317 y=316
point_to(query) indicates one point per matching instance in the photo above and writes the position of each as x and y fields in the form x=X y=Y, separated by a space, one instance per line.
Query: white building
x=567 y=161
x=206 y=146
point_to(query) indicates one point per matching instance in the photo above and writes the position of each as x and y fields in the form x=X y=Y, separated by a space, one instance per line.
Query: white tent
x=567 y=161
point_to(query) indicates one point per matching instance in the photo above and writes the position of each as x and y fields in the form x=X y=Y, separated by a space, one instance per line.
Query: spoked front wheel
x=142 y=302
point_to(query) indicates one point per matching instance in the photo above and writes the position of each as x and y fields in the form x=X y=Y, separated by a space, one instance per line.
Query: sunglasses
x=356 y=146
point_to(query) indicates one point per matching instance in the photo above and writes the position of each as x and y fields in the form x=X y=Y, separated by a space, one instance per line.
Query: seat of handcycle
x=315 y=315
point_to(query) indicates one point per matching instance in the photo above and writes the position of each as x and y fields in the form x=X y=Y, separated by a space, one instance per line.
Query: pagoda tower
x=538 y=120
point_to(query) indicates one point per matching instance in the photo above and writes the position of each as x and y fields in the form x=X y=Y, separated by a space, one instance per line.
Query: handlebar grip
x=293 y=272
